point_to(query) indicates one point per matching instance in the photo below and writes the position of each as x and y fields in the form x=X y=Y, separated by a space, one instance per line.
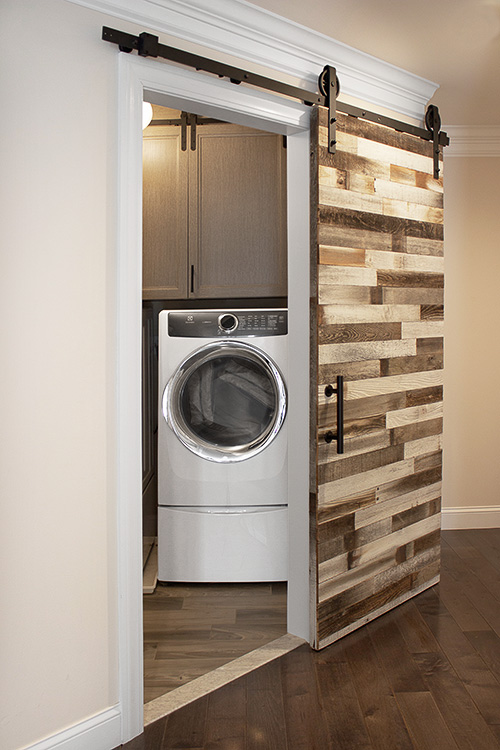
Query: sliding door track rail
x=148 y=45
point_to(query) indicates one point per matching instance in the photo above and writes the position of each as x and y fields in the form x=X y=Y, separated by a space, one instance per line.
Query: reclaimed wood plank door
x=377 y=319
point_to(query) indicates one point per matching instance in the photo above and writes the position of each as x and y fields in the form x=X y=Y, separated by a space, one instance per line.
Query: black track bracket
x=329 y=86
x=433 y=124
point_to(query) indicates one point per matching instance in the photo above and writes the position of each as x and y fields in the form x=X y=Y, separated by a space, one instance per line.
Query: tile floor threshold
x=191 y=691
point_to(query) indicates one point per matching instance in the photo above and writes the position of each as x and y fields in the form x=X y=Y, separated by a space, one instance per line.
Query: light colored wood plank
x=403 y=261
x=332 y=176
x=425 y=445
x=412 y=194
x=341 y=489
x=345 y=141
x=347 y=275
x=355 y=446
x=370 y=314
x=390 y=384
x=341 y=256
x=428 y=329
x=414 y=414
x=330 y=353
x=375 y=203
x=338 y=294
x=410 y=177
x=329 y=234
x=330 y=196
x=353 y=181
x=334 y=567
x=394 y=156
x=413 y=211
x=360 y=183
x=383 y=509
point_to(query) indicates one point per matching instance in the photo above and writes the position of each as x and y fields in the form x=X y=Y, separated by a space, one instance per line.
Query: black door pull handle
x=330 y=436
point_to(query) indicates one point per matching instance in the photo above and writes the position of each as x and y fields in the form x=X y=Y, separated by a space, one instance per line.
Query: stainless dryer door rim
x=215 y=450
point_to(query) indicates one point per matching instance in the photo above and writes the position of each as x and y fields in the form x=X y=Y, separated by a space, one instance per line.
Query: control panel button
x=228 y=322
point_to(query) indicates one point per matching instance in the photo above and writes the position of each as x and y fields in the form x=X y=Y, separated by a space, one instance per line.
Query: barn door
x=377 y=266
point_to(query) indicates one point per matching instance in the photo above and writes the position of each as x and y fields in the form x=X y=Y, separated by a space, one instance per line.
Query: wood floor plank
x=487 y=644
x=266 y=728
x=226 y=717
x=459 y=605
x=383 y=720
x=427 y=727
x=415 y=631
x=479 y=681
x=487 y=542
x=186 y=727
x=400 y=669
x=486 y=603
x=306 y=727
x=346 y=726
x=468 y=727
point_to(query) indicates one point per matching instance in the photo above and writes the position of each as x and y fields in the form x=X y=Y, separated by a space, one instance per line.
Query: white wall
x=472 y=335
x=58 y=591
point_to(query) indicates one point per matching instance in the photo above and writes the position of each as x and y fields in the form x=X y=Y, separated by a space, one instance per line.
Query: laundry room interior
x=214 y=394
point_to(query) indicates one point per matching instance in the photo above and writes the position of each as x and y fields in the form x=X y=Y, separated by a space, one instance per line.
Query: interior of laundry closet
x=214 y=256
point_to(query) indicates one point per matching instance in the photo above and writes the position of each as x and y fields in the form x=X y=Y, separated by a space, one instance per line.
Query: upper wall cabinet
x=214 y=216
x=165 y=215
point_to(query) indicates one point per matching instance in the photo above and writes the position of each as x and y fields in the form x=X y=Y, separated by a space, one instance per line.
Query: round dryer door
x=226 y=402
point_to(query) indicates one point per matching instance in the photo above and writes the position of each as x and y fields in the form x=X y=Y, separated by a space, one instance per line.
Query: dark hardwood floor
x=425 y=676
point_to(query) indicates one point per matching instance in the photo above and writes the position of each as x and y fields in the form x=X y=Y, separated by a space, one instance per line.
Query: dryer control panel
x=227 y=323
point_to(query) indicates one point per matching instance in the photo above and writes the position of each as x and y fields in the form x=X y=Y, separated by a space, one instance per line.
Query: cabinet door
x=165 y=215
x=237 y=238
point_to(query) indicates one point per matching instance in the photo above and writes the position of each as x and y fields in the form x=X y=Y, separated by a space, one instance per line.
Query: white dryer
x=222 y=445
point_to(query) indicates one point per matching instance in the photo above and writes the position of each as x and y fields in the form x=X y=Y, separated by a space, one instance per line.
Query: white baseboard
x=483 y=517
x=100 y=732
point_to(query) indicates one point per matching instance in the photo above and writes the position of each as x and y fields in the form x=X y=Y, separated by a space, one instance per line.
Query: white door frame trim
x=206 y=95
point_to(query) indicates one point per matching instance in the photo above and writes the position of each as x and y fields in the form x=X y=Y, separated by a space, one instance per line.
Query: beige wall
x=57 y=292
x=472 y=332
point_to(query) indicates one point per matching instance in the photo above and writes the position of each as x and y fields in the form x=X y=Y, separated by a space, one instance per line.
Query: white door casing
x=206 y=95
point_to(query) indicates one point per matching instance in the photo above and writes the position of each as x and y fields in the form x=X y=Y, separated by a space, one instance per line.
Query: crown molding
x=246 y=32
x=473 y=140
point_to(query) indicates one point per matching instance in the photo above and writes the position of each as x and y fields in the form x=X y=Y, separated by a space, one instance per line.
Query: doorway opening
x=214 y=238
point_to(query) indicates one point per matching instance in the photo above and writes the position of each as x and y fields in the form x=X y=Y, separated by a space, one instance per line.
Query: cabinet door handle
x=330 y=436
x=184 y=123
x=192 y=122
x=192 y=279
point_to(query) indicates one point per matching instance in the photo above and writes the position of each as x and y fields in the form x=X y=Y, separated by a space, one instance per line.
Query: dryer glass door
x=226 y=402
